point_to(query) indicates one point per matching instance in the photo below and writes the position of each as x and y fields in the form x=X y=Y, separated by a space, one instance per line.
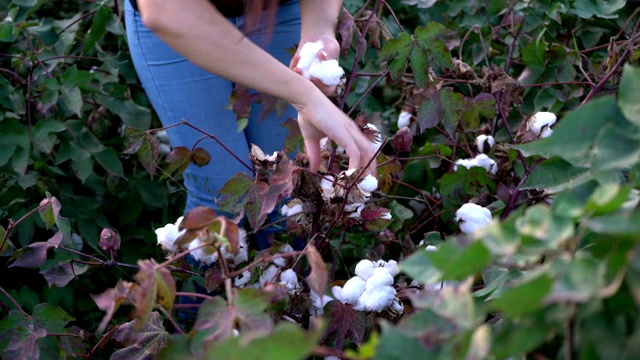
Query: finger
x=294 y=62
x=323 y=55
x=313 y=152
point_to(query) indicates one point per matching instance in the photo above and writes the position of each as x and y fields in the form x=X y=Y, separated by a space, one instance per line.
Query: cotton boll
x=318 y=303
x=364 y=269
x=380 y=277
x=291 y=208
x=198 y=252
x=484 y=143
x=487 y=163
x=369 y=184
x=392 y=267
x=308 y=55
x=357 y=210
x=242 y=279
x=289 y=279
x=268 y=275
x=546 y=132
x=164 y=149
x=327 y=187
x=168 y=234
x=243 y=254
x=471 y=217
x=540 y=121
x=336 y=291
x=284 y=249
x=379 y=299
x=386 y=216
x=361 y=304
x=352 y=290
x=404 y=119
x=327 y=71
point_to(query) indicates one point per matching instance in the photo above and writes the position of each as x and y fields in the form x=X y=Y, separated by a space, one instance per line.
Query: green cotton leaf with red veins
x=396 y=52
x=441 y=107
x=62 y=273
x=232 y=196
x=155 y=286
x=149 y=153
x=34 y=255
x=345 y=323
x=482 y=106
x=178 y=159
x=141 y=344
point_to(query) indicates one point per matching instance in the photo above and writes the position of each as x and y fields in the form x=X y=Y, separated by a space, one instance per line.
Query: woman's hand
x=330 y=50
x=319 y=118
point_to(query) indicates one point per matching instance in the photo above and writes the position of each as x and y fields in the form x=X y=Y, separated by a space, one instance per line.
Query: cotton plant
x=311 y=66
x=472 y=217
x=481 y=160
x=371 y=289
x=541 y=122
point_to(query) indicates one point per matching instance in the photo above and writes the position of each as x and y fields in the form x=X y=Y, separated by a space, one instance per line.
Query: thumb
x=323 y=55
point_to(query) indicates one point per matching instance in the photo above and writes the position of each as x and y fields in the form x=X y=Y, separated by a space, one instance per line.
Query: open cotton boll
x=284 y=249
x=364 y=269
x=198 y=252
x=243 y=254
x=291 y=208
x=379 y=299
x=352 y=290
x=386 y=216
x=336 y=291
x=404 y=119
x=289 y=279
x=369 y=184
x=327 y=187
x=327 y=71
x=168 y=234
x=318 y=303
x=268 y=276
x=392 y=267
x=380 y=277
x=242 y=279
x=484 y=143
x=471 y=217
x=540 y=123
x=482 y=160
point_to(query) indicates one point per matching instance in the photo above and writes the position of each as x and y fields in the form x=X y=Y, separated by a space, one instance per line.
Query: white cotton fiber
x=352 y=290
x=327 y=71
x=540 y=123
x=364 y=269
x=472 y=217
x=380 y=277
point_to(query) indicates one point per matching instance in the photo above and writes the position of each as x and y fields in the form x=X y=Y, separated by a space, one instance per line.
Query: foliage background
x=549 y=281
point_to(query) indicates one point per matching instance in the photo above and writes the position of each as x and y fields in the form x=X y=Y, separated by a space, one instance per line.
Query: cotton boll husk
x=364 y=269
x=472 y=217
x=380 y=298
x=352 y=290
x=200 y=254
x=369 y=184
x=404 y=119
x=268 y=275
x=380 y=277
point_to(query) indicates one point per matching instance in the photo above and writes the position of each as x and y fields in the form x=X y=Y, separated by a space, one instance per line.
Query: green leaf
x=20 y=159
x=419 y=66
x=556 y=174
x=457 y=262
x=481 y=106
x=43 y=134
x=52 y=318
x=72 y=98
x=629 y=93
x=82 y=165
x=62 y=273
x=396 y=51
x=233 y=193
x=453 y=303
x=132 y=114
x=98 y=28
x=615 y=150
x=524 y=297
x=431 y=38
x=599 y=8
x=110 y=161
x=19 y=337
x=607 y=198
x=149 y=153
x=14 y=133
x=394 y=344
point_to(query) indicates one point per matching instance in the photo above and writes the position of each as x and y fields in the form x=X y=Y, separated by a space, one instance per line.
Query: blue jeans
x=180 y=90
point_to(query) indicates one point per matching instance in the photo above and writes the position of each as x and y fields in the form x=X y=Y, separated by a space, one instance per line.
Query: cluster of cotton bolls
x=472 y=217
x=540 y=123
x=334 y=188
x=328 y=71
x=372 y=287
x=168 y=235
x=481 y=160
x=275 y=272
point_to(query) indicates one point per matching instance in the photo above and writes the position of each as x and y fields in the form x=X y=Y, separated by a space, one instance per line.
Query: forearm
x=199 y=32
x=319 y=18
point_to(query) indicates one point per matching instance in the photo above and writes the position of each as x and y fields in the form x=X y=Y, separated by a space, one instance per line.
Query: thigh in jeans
x=180 y=90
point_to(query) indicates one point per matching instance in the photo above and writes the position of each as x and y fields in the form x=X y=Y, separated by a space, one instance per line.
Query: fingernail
x=324 y=54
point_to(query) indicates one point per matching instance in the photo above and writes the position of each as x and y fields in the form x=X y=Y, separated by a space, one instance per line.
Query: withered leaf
x=143 y=344
x=318 y=277
x=34 y=255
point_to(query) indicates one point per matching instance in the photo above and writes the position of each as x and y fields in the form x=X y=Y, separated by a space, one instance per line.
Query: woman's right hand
x=319 y=118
